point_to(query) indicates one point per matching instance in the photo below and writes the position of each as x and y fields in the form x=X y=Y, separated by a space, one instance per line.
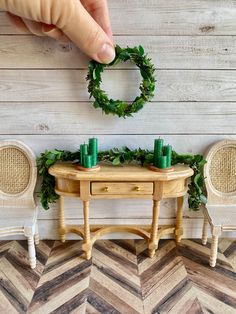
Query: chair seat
x=222 y=215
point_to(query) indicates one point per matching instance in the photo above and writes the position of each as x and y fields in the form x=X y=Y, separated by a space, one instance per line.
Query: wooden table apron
x=120 y=182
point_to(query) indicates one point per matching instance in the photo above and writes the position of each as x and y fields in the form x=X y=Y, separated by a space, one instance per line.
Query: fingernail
x=106 y=54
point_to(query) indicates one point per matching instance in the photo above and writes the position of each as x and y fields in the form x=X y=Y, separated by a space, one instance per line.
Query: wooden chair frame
x=22 y=201
x=218 y=200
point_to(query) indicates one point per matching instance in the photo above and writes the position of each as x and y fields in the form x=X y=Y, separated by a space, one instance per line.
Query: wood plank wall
x=44 y=100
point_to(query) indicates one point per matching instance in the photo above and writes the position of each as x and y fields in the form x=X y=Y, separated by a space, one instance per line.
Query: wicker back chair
x=18 y=211
x=220 y=179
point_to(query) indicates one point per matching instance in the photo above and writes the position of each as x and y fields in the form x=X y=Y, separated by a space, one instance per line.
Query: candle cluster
x=89 y=153
x=162 y=154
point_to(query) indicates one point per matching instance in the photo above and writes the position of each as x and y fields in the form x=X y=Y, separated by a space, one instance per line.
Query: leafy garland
x=118 y=107
x=116 y=157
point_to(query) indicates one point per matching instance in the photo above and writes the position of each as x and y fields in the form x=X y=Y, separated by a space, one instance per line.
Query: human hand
x=84 y=22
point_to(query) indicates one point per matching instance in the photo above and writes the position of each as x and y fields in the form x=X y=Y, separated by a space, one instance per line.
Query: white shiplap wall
x=44 y=100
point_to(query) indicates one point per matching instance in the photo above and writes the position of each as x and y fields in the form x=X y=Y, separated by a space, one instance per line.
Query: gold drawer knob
x=106 y=188
x=137 y=188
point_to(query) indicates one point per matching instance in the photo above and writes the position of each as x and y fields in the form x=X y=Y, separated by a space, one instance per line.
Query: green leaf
x=203 y=199
x=97 y=73
x=116 y=161
x=124 y=56
x=197 y=158
x=202 y=162
x=141 y=50
x=51 y=155
x=94 y=74
x=144 y=74
x=49 y=162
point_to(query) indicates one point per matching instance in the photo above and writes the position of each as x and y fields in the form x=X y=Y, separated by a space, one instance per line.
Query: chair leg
x=204 y=231
x=214 y=248
x=32 y=254
x=36 y=236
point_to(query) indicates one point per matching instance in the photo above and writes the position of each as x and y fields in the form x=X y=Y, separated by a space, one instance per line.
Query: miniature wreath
x=121 y=108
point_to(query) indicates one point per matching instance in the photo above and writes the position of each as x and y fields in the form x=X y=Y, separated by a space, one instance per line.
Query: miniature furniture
x=18 y=212
x=120 y=182
x=220 y=210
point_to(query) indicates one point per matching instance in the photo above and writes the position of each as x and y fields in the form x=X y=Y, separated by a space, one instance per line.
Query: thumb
x=83 y=30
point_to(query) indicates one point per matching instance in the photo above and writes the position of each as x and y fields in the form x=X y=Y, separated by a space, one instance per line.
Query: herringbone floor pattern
x=120 y=278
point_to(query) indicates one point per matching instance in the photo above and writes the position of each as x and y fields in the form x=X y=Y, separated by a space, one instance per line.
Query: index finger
x=98 y=9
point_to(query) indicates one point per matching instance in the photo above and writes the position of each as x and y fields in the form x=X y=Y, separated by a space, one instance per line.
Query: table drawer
x=122 y=188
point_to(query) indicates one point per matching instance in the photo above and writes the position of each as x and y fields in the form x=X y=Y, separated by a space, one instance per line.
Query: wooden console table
x=120 y=182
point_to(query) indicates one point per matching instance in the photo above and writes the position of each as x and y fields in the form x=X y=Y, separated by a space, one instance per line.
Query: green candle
x=167 y=151
x=93 y=149
x=83 y=152
x=86 y=148
x=158 y=144
x=162 y=162
x=93 y=145
x=94 y=160
x=88 y=161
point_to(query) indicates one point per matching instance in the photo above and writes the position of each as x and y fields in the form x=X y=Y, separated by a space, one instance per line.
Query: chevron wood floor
x=120 y=278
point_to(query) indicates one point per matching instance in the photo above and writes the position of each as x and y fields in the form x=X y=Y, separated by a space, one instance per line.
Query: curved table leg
x=179 y=219
x=87 y=247
x=154 y=229
x=62 y=220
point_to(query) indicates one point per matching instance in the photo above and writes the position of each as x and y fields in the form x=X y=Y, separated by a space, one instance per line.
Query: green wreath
x=118 y=107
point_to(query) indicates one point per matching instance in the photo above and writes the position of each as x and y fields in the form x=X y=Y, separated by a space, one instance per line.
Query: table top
x=109 y=172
